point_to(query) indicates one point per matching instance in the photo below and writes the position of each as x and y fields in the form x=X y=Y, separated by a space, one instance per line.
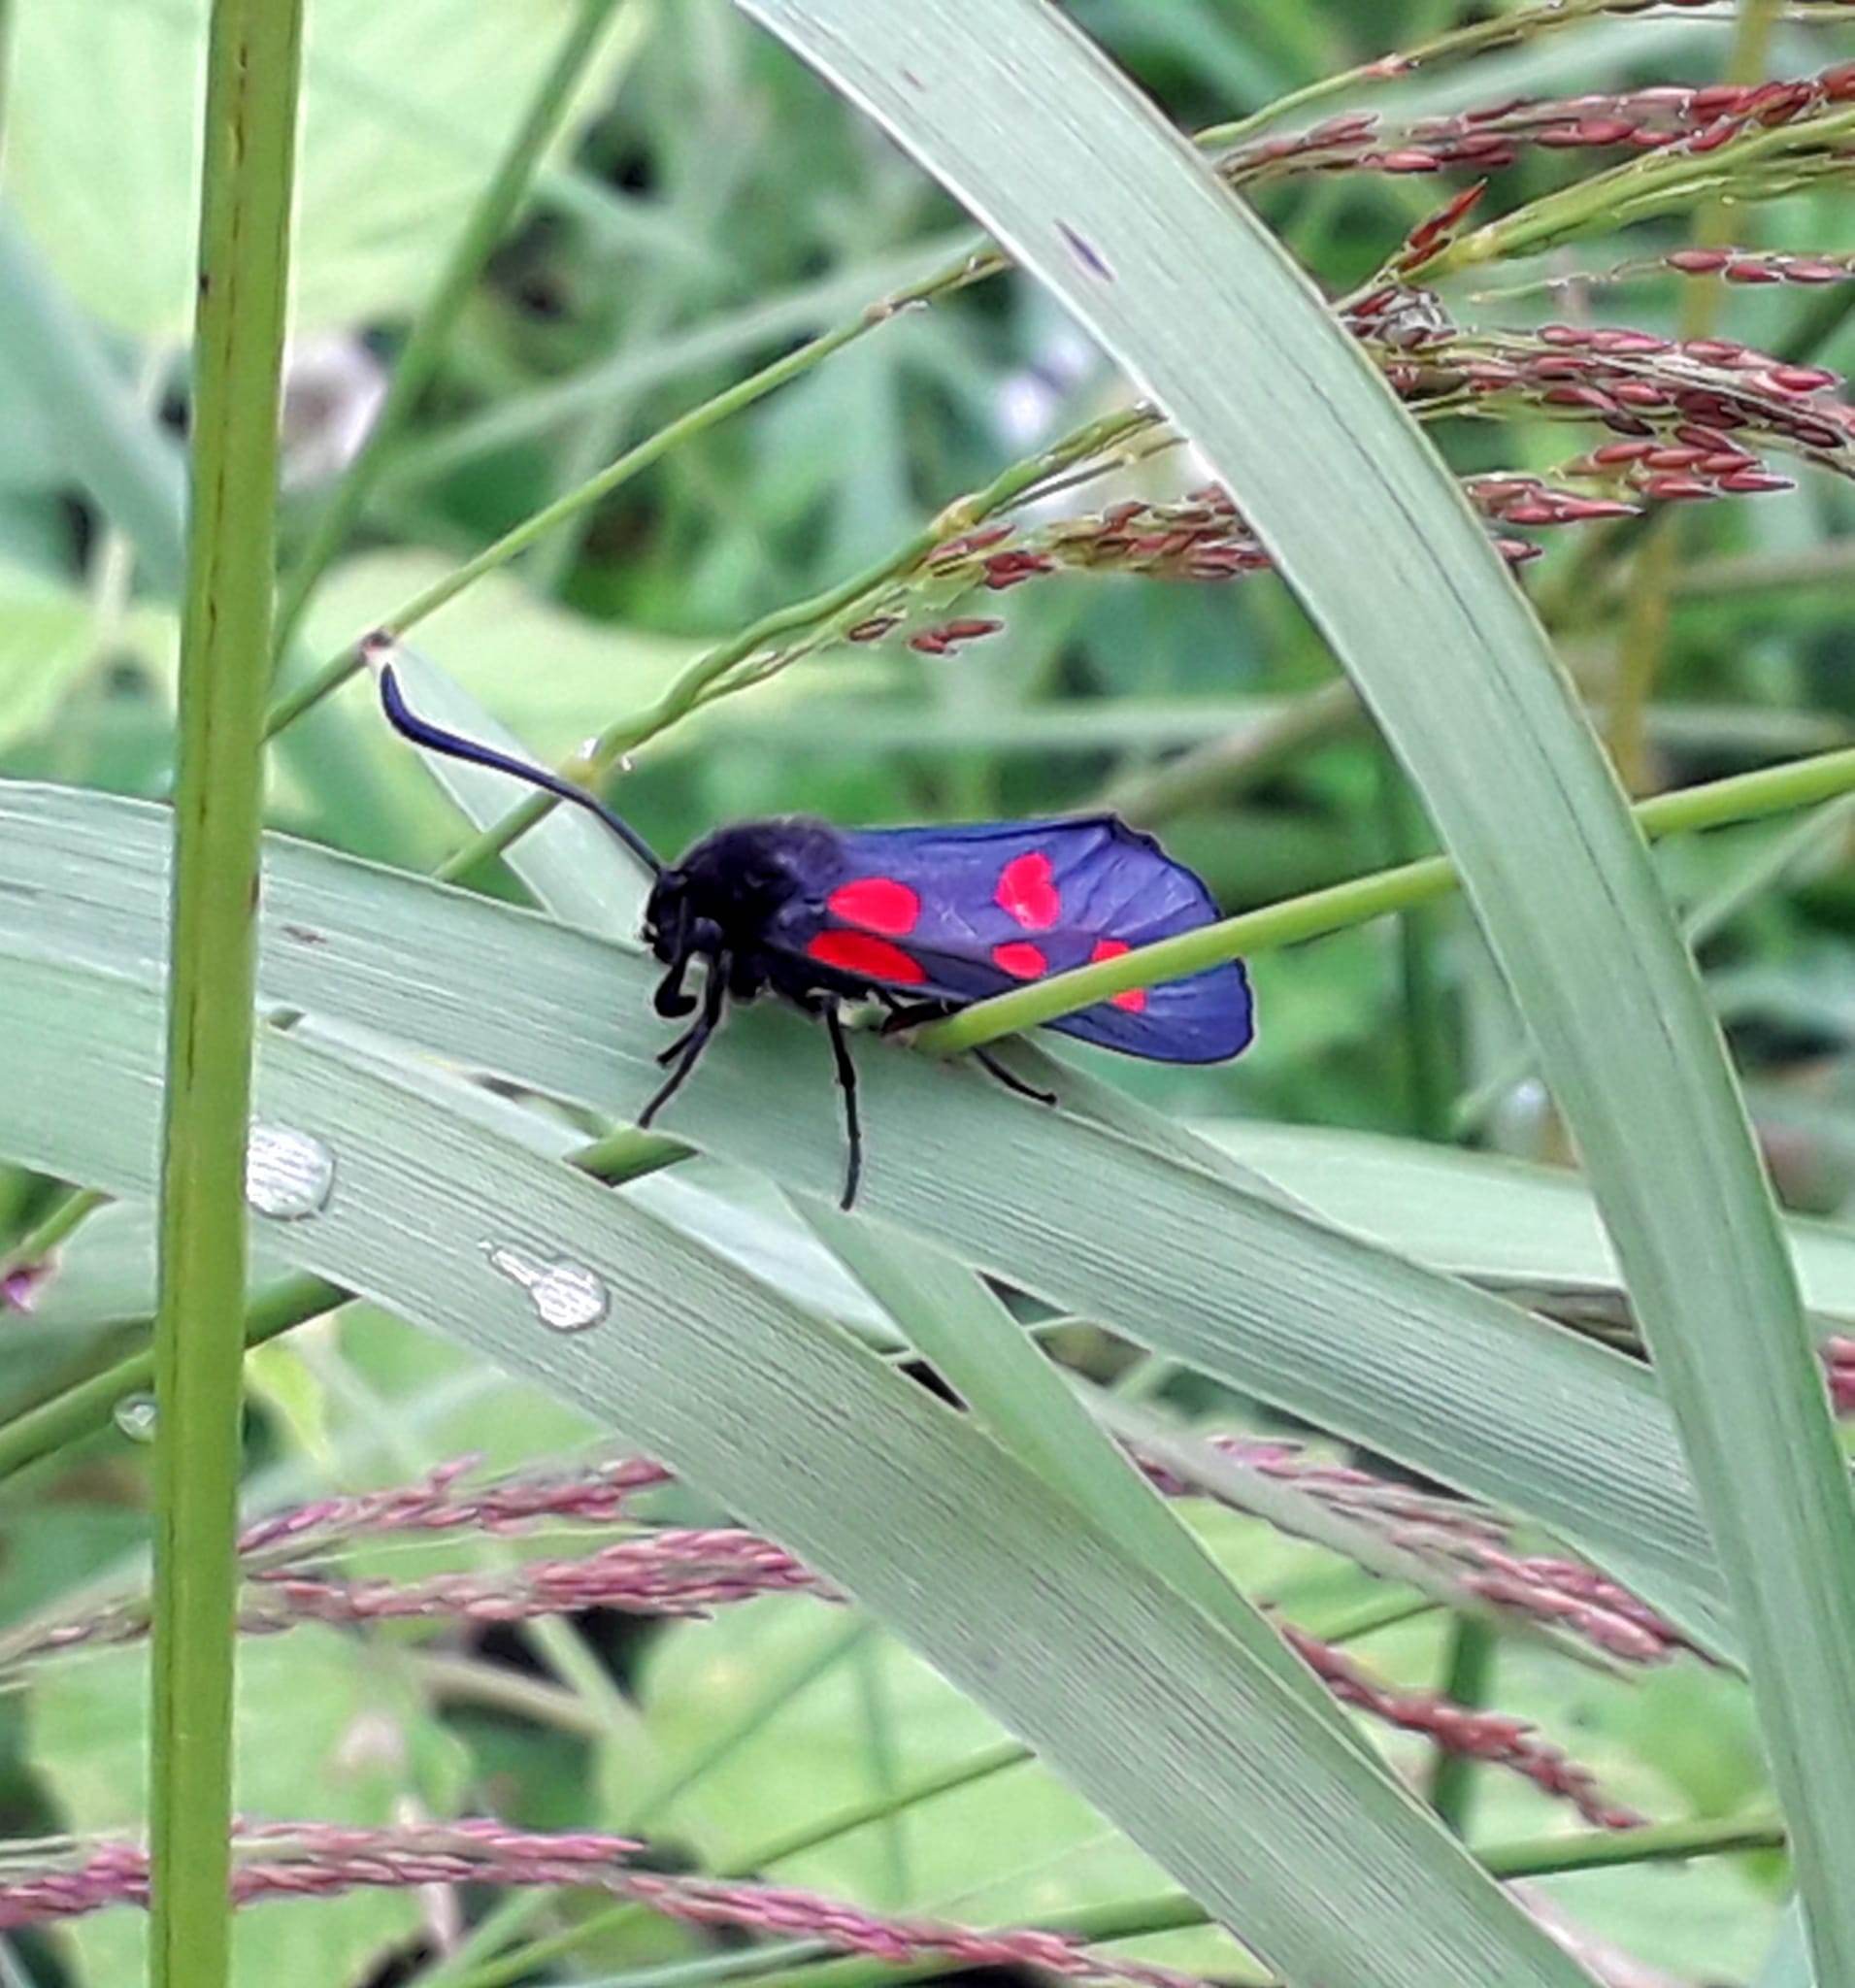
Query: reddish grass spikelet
x=1839 y=1361
x=1491 y=137
x=320 y=1860
x=438 y=1503
x=1466 y=1543
x=1451 y=1728
x=948 y=637
x=872 y=629
x=673 y=1572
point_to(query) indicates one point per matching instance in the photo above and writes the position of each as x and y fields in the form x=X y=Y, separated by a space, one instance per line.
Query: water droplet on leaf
x=567 y=1296
x=288 y=1175
x=135 y=1415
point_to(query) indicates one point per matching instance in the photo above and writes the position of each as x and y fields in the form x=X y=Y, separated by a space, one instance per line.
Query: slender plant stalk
x=1467 y=1681
x=1743 y=797
x=6 y=66
x=489 y=219
x=252 y=72
x=72 y=1209
x=696 y=421
x=1645 y=638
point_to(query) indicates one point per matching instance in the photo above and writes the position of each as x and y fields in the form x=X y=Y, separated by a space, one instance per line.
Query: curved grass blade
x=1502 y=1221
x=1208 y=1760
x=1094 y=1218
x=990 y=1362
x=1011 y=109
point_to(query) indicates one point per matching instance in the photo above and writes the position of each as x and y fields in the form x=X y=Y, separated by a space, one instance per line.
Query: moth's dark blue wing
x=958 y=913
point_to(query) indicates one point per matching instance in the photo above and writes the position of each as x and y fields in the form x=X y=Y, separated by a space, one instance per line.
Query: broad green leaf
x=320 y=1737
x=1093 y=1219
x=1068 y=168
x=1205 y=1758
x=45 y=642
x=405 y=110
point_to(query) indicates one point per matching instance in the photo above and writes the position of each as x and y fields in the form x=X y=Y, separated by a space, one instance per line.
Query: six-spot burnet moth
x=925 y=920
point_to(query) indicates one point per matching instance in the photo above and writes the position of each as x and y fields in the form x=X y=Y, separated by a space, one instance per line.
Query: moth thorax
x=740 y=877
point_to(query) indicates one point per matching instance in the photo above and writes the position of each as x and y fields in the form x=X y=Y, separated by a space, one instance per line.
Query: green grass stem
x=253 y=74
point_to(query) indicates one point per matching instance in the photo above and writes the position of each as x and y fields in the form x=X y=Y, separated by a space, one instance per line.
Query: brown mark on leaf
x=1085 y=252
x=914 y=81
x=306 y=934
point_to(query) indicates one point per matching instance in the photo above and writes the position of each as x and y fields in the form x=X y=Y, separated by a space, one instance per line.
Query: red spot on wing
x=1019 y=958
x=1133 y=1000
x=870 y=959
x=879 y=904
x=1025 y=890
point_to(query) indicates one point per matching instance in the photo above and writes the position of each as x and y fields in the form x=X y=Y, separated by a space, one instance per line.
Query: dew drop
x=135 y=1416
x=288 y=1175
x=1521 y=1117
x=567 y=1296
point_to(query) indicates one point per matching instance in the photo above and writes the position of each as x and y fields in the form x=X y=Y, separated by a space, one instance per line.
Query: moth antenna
x=409 y=725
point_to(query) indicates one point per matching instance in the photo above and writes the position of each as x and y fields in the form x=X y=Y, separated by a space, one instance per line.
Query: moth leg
x=848 y=1084
x=690 y=1047
x=908 y=1015
x=994 y=1067
x=666 y=1058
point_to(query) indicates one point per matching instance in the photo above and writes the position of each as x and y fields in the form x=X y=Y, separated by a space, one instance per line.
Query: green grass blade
x=252 y=70
x=1501 y=1221
x=1098 y=1219
x=1073 y=172
x=576 y=867
x=994 y=1367
x=1788 y=1964
x=122 y=461
x=1202 y=1755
